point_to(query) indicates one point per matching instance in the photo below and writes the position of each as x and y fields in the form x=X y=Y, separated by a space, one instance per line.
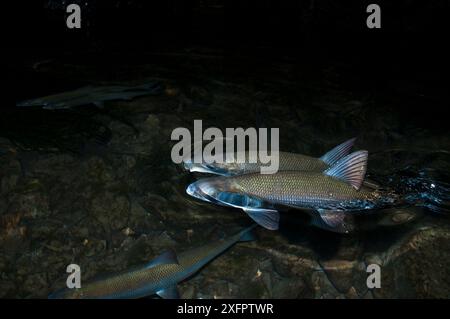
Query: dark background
x=411 y=45
x=411 y=30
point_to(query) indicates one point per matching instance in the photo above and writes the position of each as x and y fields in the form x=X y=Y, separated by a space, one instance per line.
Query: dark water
x=97 y=187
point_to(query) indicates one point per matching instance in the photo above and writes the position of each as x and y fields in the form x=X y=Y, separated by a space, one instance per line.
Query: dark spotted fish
x=159 y=277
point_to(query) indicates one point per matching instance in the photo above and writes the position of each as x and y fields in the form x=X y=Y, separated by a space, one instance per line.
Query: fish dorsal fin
x=350 y=169
x=338 y=152
x=169 y=293
x=166 y=258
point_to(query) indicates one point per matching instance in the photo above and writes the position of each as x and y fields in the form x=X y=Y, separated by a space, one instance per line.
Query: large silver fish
x=159 y=277
x=331 y=194
x=287 y=162
x=92 y=95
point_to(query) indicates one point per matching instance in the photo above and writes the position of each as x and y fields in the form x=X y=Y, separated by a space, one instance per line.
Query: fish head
x=216 y=190
x=42 y=103
x=224 y=191
x=35 y=102
x=189 y=165
x=54 y=106
x=210 y=187
x=195 y=191
x=210 y=166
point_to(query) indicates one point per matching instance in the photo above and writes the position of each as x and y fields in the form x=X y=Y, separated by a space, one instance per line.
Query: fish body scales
x=305 y=189
x=287 y=162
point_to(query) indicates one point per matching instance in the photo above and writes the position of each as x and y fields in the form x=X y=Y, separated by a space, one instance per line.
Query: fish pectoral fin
x=338 y=152
x=267 y=218
x=350 y=169
x=169 y=293
x=166 y=258
x=335 y=220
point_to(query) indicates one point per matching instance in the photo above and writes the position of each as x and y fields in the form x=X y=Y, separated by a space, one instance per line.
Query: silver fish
x=159 y=277
x=287 y=162
x=91 y=95
x=331 y=194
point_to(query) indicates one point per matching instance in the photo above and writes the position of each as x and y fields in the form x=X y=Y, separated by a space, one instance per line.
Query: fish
x=158 y=277
x=91 y=95
x=287 y=162
x=330 y=195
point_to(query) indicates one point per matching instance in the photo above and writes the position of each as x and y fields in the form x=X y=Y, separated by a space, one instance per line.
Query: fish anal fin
x=166 y=258
x=350 y=169
x=338 y=152
x=169 y=293
x=267 y=218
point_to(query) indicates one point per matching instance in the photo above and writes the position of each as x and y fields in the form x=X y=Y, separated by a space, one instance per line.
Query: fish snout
x=192 y=190
x=195 y=191
x=210 y=189
x=190 y=166
x=26 y=103
x=187 y=164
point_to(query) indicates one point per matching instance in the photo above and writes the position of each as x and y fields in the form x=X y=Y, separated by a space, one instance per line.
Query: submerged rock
x=417 y=266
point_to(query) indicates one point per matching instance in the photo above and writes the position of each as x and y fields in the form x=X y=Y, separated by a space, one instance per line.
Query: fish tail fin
x=247 y=234
x=338 y=152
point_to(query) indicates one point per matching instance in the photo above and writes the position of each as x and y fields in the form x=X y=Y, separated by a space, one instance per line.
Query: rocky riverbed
x=118 y=202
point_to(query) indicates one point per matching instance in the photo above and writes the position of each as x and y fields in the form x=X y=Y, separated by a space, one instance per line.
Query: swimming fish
x=92 y=95
x=159 y=277
x=330 y=194
x=287 y=162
